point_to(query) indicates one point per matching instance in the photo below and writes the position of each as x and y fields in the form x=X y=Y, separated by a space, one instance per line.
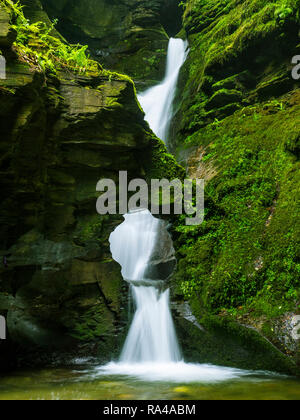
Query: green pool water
x=81 y=384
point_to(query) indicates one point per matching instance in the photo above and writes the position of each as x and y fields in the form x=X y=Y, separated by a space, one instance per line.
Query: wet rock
x=222 y=341
x=60 y=135
x=163 y=261
x=7 y=35
x=224 y=97
x=126 y=36
x=287 y=329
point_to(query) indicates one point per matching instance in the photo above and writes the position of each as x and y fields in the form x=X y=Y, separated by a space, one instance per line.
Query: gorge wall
x=62 y=130
x=128 y=36
x=237 y=126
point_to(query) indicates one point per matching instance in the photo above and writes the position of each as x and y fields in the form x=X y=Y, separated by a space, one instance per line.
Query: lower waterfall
x=151 y=351
x=152 y=336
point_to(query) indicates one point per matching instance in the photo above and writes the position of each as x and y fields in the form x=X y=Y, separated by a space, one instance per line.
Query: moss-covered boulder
x=224 y=342
x=5 y=28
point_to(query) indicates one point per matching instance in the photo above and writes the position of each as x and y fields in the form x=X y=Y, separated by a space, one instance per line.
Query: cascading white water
x=132 y=243
x=152 y=336
x=151 y=349
x=157 y=101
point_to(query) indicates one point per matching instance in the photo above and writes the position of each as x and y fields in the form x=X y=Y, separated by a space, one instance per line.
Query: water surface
x=82 y=383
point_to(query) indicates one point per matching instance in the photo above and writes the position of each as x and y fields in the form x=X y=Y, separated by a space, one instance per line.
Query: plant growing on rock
x=36 y=46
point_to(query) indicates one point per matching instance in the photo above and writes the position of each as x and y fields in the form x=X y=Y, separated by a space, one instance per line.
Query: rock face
x=5 y=34
x=224 y=342
x=162 y=262
x=237 y=126
x=128 y=36
x=60 y=134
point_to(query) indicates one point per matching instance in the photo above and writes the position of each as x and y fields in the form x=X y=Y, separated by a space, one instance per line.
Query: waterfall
x=157 y=101
x=151 y=349
x=152 y=336
x=132 y=244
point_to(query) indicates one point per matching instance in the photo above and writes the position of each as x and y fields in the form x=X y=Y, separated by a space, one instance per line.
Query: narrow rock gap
x=171 y=16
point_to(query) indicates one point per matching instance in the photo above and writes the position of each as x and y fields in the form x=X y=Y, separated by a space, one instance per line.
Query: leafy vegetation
x=36 y=45
x=243 y=125
x=246 y=253
x=240 y=115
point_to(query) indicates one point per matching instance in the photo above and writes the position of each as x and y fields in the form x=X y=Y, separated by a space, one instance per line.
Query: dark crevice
x=171 y=16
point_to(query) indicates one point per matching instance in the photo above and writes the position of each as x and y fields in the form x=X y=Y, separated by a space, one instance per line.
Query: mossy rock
x=62 y=130
x=224 y=342
x=7 y=35
x=224 y=97
x=127 y=37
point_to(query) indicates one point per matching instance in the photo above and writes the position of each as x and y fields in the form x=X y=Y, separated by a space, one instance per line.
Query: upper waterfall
x=157 y=101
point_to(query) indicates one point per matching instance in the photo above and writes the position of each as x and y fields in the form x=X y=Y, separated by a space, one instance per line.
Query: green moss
x=232 y=47
x=91 y=229
x=224 y=97
x=93 y=324
x=246 y=253
x=240 y=117
x=36 y=46
x=160 y=164
x=230 y=24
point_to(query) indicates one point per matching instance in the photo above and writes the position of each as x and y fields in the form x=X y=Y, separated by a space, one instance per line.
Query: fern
x=38 y=47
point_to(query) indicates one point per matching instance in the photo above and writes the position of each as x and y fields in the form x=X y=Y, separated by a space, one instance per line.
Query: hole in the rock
x=171 y=16
x=143 y=247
